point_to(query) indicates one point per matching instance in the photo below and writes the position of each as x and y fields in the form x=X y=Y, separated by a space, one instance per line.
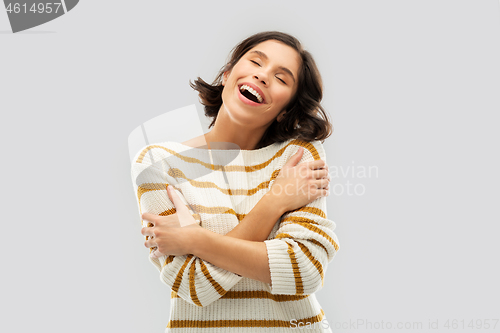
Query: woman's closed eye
x=256 y=63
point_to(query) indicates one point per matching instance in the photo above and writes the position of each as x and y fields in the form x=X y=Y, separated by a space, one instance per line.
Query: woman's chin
x=239 y=112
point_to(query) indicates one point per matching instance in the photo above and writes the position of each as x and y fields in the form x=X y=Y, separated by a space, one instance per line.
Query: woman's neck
x=227 y=131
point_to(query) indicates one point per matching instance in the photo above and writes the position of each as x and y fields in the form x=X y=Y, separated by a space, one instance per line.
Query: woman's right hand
x=297 y=185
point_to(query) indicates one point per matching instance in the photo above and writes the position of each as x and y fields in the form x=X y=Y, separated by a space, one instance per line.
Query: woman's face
x=261 y=84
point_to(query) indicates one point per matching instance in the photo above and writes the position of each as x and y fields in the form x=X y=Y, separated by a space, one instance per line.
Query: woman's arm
x=294 y=187
x=294 y=262
x=243 y=257
x=257 y=225
x=193 y=279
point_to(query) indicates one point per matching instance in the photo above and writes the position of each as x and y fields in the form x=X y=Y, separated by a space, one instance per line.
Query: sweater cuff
x=280 y=267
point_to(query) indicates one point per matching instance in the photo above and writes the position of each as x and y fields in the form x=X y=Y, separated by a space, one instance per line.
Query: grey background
x=412 y=88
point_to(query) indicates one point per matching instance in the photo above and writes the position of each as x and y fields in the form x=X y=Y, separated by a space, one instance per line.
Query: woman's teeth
x=252 y=91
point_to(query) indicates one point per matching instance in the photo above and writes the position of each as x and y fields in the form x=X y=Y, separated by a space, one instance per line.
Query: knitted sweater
x=221 y=187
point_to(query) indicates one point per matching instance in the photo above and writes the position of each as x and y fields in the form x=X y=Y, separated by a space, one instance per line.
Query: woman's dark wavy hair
x=305 y=118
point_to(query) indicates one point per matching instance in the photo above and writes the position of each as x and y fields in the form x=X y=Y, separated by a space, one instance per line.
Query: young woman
x=264 y=241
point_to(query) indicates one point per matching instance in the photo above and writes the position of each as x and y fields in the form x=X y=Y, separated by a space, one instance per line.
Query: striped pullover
x=220 y=187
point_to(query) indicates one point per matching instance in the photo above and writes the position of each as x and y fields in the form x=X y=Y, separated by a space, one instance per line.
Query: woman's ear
x=224 y=78
x=281 y=115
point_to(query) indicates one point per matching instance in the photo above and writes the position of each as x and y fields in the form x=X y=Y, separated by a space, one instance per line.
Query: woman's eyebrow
x=264 y=56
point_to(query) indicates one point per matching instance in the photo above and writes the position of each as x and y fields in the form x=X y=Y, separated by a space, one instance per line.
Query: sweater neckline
x=243 y=151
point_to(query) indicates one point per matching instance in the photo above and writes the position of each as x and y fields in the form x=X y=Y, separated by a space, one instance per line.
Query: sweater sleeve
x=304 y=243
x=191 y=278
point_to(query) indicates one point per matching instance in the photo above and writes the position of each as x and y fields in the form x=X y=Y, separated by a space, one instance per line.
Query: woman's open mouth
x=249 y=95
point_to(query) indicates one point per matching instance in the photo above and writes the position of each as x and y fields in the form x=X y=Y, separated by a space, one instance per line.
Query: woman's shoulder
x=313 y=148
x=197 y=142
x=281 y=152
x=155 y=151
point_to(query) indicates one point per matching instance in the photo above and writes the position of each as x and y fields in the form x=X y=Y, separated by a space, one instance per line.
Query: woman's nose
x=261 y=77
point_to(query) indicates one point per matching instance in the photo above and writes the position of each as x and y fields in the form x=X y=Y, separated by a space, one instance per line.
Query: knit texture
x=220 y=187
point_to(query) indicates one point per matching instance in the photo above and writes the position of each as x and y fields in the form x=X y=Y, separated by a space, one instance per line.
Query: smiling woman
x=255 y=247
x=262 y=79
x=278 y=63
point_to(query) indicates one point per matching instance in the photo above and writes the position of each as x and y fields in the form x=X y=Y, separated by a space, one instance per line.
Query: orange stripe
x=299 y=287
x=208 y=210
x=177 y=173
x=307 y=145
x=312 y=210
x=284 y=235
x=226 y=210
x=192 y=287
x=168 y=260
x=318 y=231
x=308 y=223
x=213 y=210
x=318 y=243
x=308 y=254
x=140 y=158
x=298 y=219
x=315 y=262
x=146 y=187
x=303 y=323
x=178 y=279
x=209 y=277
x=261 y=294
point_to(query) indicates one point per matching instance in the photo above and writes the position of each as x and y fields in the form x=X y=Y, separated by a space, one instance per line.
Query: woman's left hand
x=172 y=234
